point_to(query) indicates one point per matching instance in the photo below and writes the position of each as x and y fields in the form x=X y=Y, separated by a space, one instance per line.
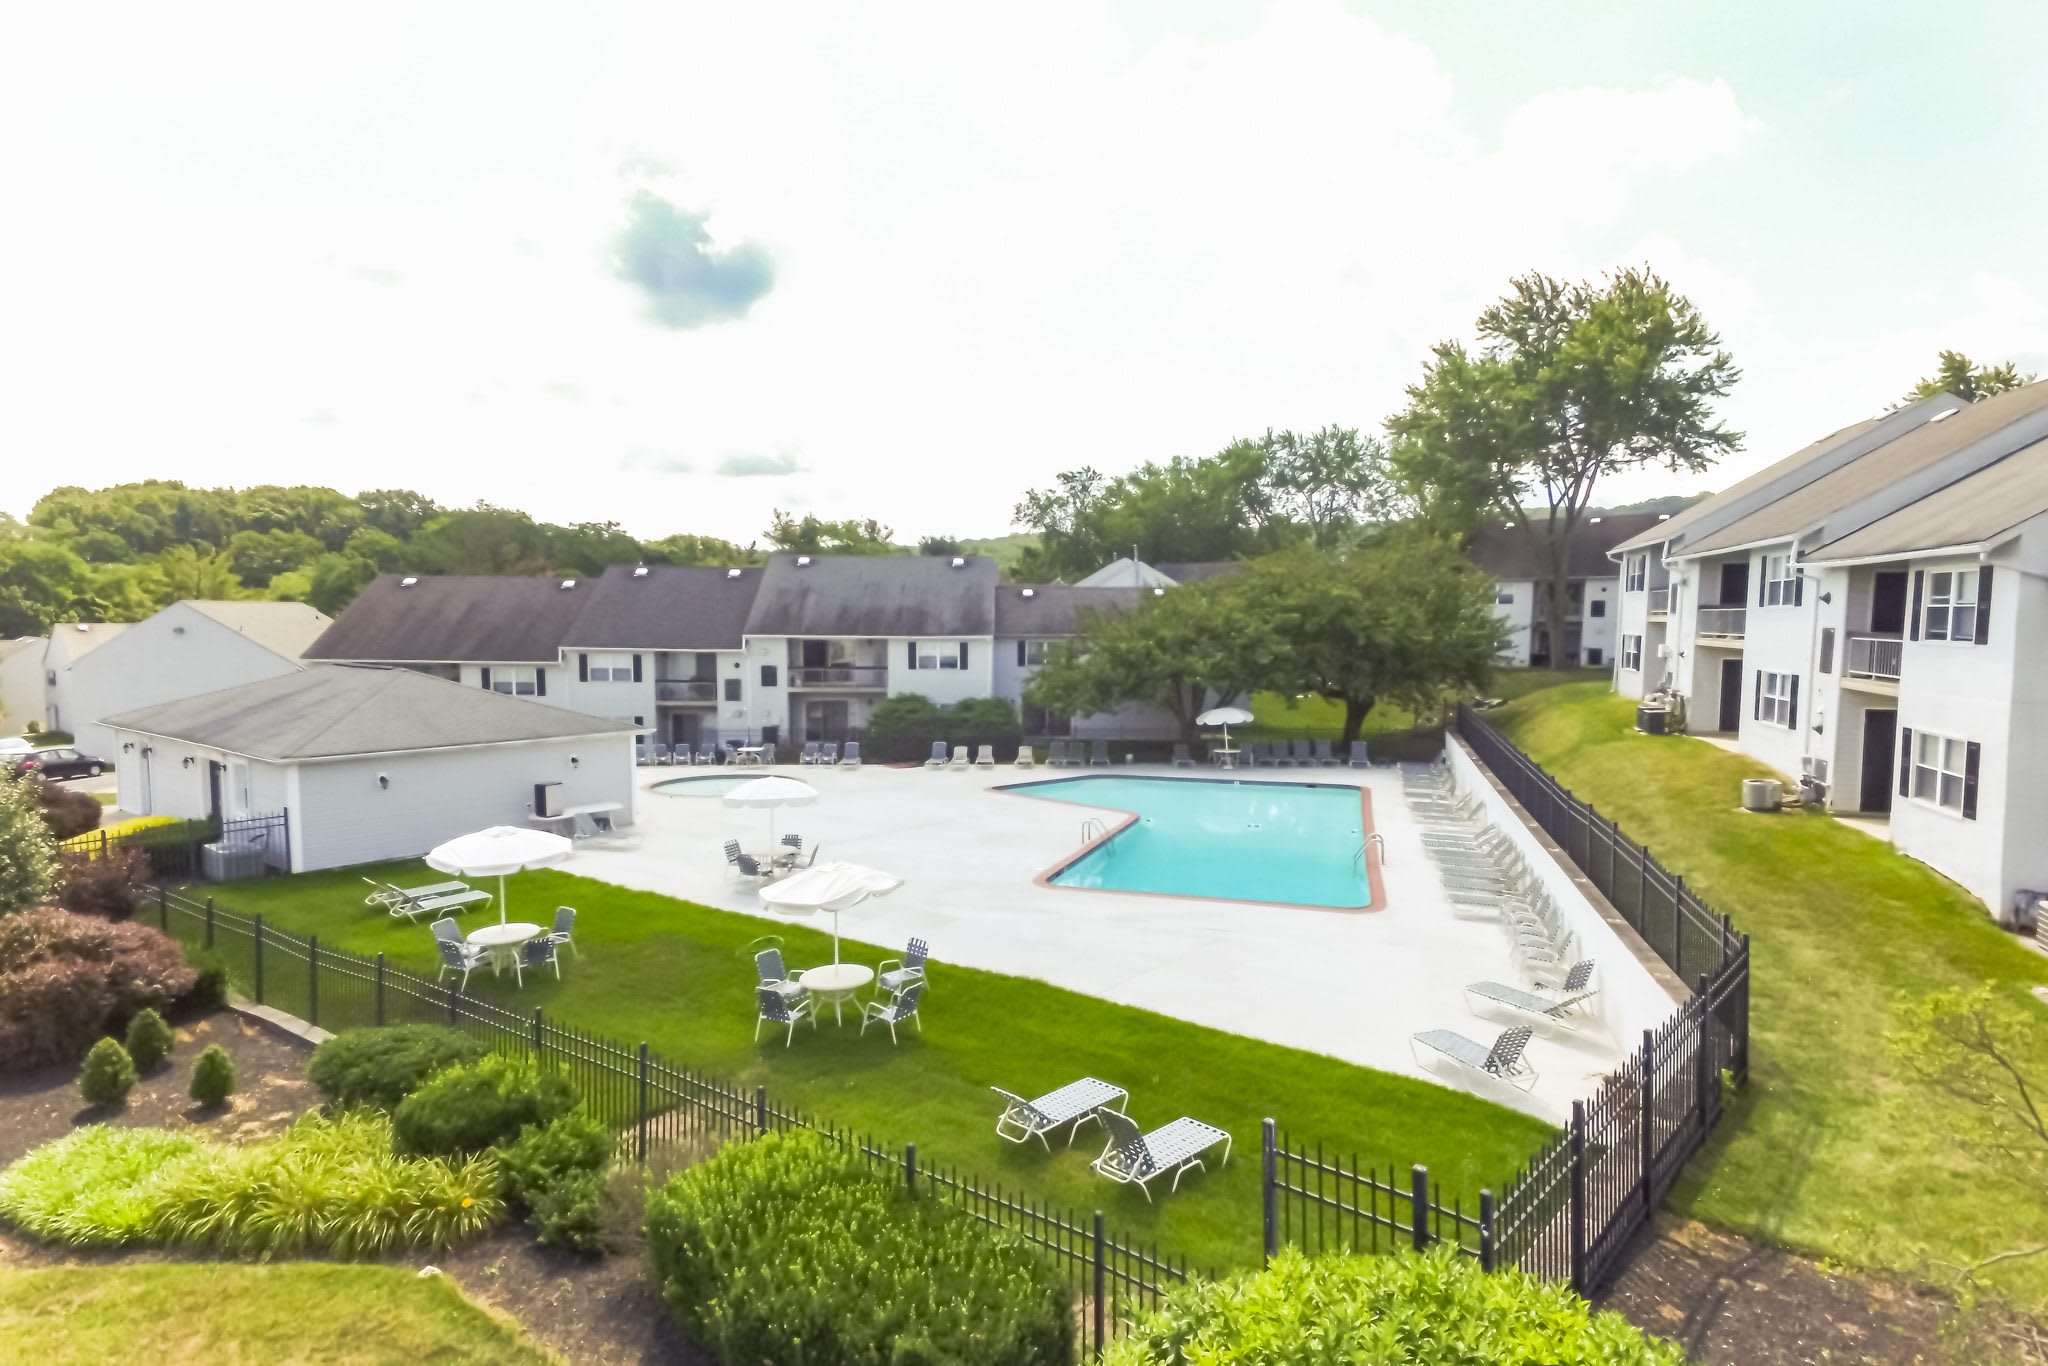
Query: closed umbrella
x=833 y=887
x=1225 y=717
x=498 y=852
x=773 y=794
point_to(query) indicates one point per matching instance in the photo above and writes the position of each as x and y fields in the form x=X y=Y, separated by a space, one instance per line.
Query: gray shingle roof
x=875 y=595
x=1517 y=552
x=1054 y=609
x=283 y=628
x=1805 y=455
x=481 y=619
x=329 y=711
x=666 y=607
x=1974 y=510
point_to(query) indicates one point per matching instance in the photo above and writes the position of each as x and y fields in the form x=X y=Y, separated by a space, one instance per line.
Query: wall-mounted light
x=575 y=762
x=384 y=780
x=187 y=762
x=148 y=750
x=128 y=747
x=1827 y=597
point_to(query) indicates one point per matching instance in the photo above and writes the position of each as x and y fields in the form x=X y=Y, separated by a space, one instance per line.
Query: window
x=238 y=789
x=1778 y=700
x=732 y=690
x=1939 y=762
x=1781 y=582
x=1031 y=653
x=1504 y=599
x=1593 y=655
x=611 y=668
x=768 y=675
x=516 y=680
x=938 y=654
x=1632 y=653
x=1636 y=571
x=1598 y=608
x=1951 y=611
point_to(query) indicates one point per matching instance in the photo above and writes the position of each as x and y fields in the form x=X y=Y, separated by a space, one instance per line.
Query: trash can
x=1762 y=794
x=1651 y=720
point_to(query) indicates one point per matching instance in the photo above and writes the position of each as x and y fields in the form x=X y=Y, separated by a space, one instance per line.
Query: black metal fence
x=654 y=1106
x=245 y=846
x=1571 y=1212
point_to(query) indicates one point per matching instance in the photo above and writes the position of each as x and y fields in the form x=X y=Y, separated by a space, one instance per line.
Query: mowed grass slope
x=241 y=1315
x=1832 y=1149
x=680 y=977
x=1318 y=717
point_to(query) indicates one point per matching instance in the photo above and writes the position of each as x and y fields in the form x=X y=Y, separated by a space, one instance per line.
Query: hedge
x=381 y=1067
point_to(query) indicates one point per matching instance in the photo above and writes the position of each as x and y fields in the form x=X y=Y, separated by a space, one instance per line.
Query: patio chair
x=565 y=930
x=770 y=755
x=810 y=754
x=662 y=754
x=707 y=753
x=732 y=851
x=1324 y=757
x=1055 y=753
x=457 y=956
x=1098 y=754
x=1072 y=1106
x=985 y=756
x=774 y=976
x=1181 y=757
x=392 y=896
x=536 y=953
x=1304 y=754
x=850 y=756
x=909 y=968
x=772 y=1006
x=894 y=1011
x=749 y=866
x=642 y=754
x=960 y=760
x=1136 y=1158
x=1561 y=1009
x=1503 y=1061
x=828 y=752
x=451 y=901
x=1275 y=752
x=1358 y=758
x=938 y=759
x=1026 y=757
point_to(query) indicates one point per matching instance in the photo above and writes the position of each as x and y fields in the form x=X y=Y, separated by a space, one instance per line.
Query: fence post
x=163 y=913
x=1705 y=1070
x=453 y=987
x=259 y=960
x=1642 y=888
x=536 y=1033
x=313 y=980
x=162 y=896
x=1269 y=1195
x=1418 y=1205
x=209 y=920
x=1578 y=1229
x=910 y=1169
x=1649 y=1121
x=640 y=1133
x=1677 y=930
x=1101 y=1290
x=1486 y=1252
x=760 y=1109
x=379 y=992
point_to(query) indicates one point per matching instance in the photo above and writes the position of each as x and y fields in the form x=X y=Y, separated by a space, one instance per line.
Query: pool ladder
x=1093 y=829
x=1372 y=840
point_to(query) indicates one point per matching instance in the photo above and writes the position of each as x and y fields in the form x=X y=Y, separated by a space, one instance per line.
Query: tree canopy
x=1955 y=373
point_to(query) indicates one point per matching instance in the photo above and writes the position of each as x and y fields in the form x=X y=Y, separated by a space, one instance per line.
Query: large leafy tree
x=1955 y=373
x=811 y=535
x=1568 y=383
x=1403 y=617
x=1176 y=650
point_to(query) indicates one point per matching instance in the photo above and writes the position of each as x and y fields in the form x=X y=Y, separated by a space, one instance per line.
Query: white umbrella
x=772 y=793
x=833 y=887
x=498 y=851
x=1225 y=717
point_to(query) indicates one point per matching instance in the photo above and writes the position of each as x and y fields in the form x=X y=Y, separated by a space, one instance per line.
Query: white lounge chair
x=938 y=759
x=445 y=903
x=959 y=757
x=1562 y=1009
x=390 y=895
x=1136 y=1158
x=1071 y=1106
x=1503 y=1061
x=985 y=757
x=850 y=756
x=1025 y=757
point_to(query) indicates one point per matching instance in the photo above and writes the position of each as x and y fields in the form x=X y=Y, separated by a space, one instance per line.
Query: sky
x=675 y=265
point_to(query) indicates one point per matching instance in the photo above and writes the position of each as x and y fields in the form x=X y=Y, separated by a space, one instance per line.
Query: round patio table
x=501 y=942
x=836 y=982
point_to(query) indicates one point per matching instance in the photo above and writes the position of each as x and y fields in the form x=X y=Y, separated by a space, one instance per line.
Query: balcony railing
x=1726 y=622
x=1660 y=602
x=1874 y=657
x=686 y=690
x=839 y=676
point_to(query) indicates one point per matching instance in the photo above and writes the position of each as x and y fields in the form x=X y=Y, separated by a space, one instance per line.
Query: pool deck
x=1352 y=984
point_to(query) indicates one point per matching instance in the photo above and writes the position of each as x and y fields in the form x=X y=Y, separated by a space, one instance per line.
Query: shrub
x=95 y=1187
x=68 y=812
x=1332 y=1311
x=543 y=1154
x=149 y=1039
x=108 y=1074
x=28 y=856
x=572 y=1212
x=209 y=988
x=382 y=1067
x=110 y=887
x=66 y=979
x=785 y=1250
x=470 y=1108
x=902 y=728
x=213 y=1076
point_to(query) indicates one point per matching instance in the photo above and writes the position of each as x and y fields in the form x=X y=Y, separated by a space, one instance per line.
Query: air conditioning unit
x=1816 y=769
x=547 y=799
x=1664 y=650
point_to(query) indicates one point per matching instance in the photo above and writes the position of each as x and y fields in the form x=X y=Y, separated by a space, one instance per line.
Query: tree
x=1173 y=650
x=260 y=556
x=332 y=581
x=1404 y=618
x=29 y=875
x=1955 y=373
x=1569 y=383
x=41 y=583
x=1330 y=482
x=196 y=573
x=811 y=536
x=940 y=546
x=688 y=550
x=397 y=512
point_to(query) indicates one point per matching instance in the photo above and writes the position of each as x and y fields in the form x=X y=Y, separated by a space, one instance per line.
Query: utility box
x=226 y=860
x=1762 y=794
x=547 y=799
x=1651 y=720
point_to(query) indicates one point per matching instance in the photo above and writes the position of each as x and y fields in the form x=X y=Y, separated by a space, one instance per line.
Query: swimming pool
x=711 y=785
x=1296 y=843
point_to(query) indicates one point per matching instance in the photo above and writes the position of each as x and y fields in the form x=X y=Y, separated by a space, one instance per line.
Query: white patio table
x=502 y=942
x=836 y=982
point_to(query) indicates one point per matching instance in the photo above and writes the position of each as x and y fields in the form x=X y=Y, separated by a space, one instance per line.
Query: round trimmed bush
x=149 y=1039
x=381 y=1067
x=545 y=1153
x=213 y=1076
x=571 y=1212
x=477 y=1106
x=108 y=1074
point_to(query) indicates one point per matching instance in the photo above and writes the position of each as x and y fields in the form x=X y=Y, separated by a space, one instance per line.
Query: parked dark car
x=58 y=763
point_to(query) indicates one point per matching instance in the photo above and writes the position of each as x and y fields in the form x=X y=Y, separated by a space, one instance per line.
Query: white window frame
x=1956 y=601
x=1632 y=653
x=1774 y=706
x=239 y=803
x=516 y=680
x=1035 y=652
x=1636 y=574
x=611 y=666
x=1781 y=581
x=929 y=654
x=1933 y=780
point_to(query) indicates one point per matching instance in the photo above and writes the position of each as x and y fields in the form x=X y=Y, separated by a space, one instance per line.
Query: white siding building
x=1517 y=558
x=70 y=643
x=21 y=682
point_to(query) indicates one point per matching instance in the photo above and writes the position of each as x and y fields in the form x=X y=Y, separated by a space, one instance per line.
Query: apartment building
x=1517 y=557
x=1866 y=616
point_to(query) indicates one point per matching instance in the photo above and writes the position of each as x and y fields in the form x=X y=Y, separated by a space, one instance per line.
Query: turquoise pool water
x=1241 y=841
x=708 y=786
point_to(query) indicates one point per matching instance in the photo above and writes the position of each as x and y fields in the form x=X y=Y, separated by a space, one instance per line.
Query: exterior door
x=825 y=721
x=686 y=728
x=1888 y=603
x=1734 y=585
x=1730 y=718
x=213 y=807
x=1880 y=760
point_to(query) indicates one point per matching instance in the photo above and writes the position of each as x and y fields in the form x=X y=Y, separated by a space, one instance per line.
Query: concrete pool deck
x=1351 y=984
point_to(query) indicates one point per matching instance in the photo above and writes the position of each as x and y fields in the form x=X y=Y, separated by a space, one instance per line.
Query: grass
x=1832 y=1150
x=680 y=977
x=1320 y=718
x=242 y=1315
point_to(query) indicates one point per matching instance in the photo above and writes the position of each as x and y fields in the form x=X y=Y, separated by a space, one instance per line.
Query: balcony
x=1660 y=603
x=686 y=690
x=872 y=677
x=1722 y=624
x=1873 y=659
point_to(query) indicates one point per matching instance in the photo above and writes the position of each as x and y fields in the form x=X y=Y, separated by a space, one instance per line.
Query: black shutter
x=1020 y=654
x=636 y=668
x=963 y=654
x=1984 y=605
x=1792 y=703
x=1913 y=621
x=582 y=668
x=911 y=647
x=1906 y=762
x=540 y=682
x=1799 y=590
x=1763 y=579
x=1827 y=649
x=486 y=672
x=1756 y=705
x=1971 y=753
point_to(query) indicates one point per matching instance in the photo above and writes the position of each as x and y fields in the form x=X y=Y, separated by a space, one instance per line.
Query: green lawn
x=229 y=1314
x=679 y=976
x=1831 y=1150
x=1320 y=718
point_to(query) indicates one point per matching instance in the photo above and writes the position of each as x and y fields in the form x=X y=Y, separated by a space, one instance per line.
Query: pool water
x=1296 y=843
x=716 y=786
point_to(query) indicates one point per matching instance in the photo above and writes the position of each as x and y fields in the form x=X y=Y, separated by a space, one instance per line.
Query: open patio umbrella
x=1225 y=717
x=498 y=852
x=771 y=793
x=833 y=887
